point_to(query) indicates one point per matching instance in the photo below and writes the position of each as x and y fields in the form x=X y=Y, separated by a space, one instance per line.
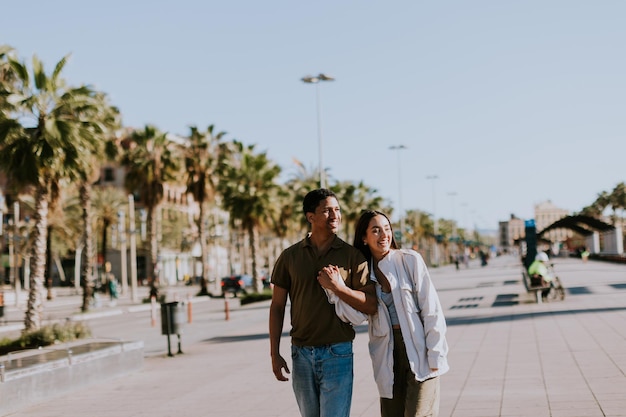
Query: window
x=109 y=175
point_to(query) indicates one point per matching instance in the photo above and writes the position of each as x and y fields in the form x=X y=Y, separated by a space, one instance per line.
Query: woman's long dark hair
x=360 y=231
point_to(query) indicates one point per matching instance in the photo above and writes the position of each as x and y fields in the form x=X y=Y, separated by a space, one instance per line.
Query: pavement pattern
x=509 y=356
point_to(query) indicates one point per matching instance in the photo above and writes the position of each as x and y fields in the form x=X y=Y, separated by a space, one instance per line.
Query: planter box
x=30 y=376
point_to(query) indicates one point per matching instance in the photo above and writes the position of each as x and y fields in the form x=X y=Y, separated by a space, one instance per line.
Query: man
x=321 y=344
x=539 y=273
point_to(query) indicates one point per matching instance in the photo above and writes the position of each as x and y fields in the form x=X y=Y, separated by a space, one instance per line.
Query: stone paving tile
x=514 y=359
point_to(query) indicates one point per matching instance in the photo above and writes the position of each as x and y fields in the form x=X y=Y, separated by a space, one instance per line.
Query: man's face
x=327 y=216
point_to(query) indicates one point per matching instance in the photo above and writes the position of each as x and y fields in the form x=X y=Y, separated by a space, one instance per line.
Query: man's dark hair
x=313 y=198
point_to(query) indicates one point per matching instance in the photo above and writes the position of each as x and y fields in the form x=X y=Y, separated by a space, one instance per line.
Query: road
x=131 y=321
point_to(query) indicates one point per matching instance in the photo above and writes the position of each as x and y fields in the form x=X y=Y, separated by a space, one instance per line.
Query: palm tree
x=7 y=77
x=421 y=227
x=151 y=161
x=300 y=183
x=202 y=158
x=248 y=186
x=43 y=140
x=65 y=230
x=618 y=199
x=107 y=202
x=354 y=198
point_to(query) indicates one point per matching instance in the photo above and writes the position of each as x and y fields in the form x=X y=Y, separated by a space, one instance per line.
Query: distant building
x=509 y=232
x=547 y=213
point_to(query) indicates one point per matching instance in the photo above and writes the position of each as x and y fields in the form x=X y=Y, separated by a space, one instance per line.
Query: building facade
x=547 y=213
x=509 y=233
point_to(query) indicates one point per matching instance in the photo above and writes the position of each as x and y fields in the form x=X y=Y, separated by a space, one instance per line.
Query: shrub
x=46 y=336
x=256 y=296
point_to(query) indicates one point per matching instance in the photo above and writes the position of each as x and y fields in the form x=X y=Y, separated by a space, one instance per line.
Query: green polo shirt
x=313 y=318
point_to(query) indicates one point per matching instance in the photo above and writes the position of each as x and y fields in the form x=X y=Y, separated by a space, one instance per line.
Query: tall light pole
x=121 y=230
x=133 y=247
x=2 y=210
x=400 y=212
x=455 y=245
x=435 y=225
x=465 y=206
x=453 y=194
x=14 y=252
x=316 y=80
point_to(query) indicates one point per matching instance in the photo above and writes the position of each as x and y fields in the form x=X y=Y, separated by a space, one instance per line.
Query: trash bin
x=172 y=318
x=1 y=304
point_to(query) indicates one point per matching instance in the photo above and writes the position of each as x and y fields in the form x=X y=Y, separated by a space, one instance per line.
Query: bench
x=532 y=287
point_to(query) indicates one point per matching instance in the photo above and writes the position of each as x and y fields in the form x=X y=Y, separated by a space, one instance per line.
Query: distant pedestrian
x=484 y=257
x=584 y=255
x=540 y=274
x=111 y=283
x=466 y=256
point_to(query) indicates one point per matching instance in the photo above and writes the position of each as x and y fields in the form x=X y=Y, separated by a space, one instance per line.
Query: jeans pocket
x=341 y=350
x=295 y=352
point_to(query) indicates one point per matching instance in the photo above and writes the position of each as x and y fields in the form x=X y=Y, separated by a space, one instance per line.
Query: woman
x=407 y=343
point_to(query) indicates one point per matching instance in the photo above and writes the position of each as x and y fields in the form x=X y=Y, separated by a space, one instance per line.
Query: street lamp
x=455 y=245
x=121 y=230
x=2 y=210
x=133 y=247
x=316 y=80
x=400 y=213
x=453 y=194
x=435 y=225
x=465 y=206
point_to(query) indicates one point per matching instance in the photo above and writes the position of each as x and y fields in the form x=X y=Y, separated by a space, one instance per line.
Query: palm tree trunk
x=86 y=265
x=105 y=229
x=204 y=252
x=153 y=278
x=48 y=270
x=34 y=310
x=253 y=235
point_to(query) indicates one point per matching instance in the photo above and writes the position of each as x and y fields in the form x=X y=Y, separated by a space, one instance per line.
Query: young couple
x=331 y=286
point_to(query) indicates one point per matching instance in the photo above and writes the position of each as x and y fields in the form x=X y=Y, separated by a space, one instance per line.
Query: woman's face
x=378 y=236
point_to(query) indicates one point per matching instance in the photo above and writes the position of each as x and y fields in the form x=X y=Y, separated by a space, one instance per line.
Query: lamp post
x=465 y=206
x=2 y=210
x=121 y=230
x=14 y=254
x=455 y=244
x=133 y=247
x=435 y=225
x=453 y=194
x=400 y=213
x=316 y=80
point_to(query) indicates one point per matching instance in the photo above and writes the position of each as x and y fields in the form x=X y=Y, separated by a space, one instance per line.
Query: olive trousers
x=411 y=398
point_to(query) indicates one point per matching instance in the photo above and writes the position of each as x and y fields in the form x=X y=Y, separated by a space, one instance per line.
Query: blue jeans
x=322 y=379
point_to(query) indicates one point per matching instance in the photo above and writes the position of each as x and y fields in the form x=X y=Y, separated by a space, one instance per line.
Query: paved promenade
x=508 y=355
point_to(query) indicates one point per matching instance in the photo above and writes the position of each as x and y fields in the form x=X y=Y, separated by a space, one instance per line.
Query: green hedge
x=256 y=296
x=46 y=336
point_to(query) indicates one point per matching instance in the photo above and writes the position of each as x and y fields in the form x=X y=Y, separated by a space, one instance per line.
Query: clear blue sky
x=508 y=103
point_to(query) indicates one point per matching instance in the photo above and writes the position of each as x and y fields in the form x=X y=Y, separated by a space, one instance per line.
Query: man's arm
x=277 y=318
x=363 y=299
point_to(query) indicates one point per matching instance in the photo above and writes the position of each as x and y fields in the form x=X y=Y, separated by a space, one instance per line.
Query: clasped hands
x=328 y=277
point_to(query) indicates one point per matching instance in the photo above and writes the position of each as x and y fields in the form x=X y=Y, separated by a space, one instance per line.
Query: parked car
x=236 y=284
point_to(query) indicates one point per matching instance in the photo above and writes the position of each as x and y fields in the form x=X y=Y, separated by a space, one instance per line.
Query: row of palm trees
x=51 y=134
x=54 y=139
x=615 y=201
